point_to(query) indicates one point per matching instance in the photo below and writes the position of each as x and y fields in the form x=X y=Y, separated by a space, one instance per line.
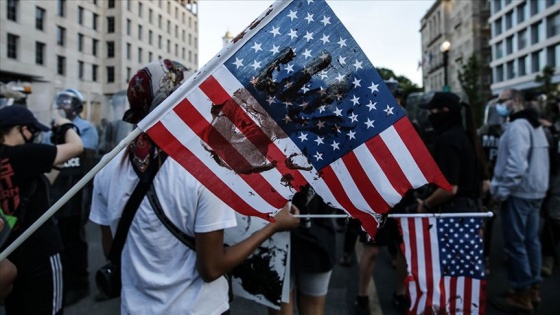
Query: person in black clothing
x=24 y=197
x=458 y=154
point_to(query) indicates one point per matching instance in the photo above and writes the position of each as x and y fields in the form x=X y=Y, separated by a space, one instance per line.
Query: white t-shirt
x=159 y=274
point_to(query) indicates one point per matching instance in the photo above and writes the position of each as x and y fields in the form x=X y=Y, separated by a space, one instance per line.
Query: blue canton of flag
x=461 y=247
x=312 y=76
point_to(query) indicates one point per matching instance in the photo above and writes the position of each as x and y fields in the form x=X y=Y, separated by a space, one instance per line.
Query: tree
x=469 y=78
x=406 y=85
x=547 y=87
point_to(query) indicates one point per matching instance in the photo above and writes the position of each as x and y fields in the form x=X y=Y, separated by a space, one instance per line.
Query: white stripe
x=447 y=284
x=402 y=154
x=422 y=276
x=57 y=292
x=436 y=271
x=460 y=289
x=475 y=297
x=60 y=291
x=349 y=185
x=54 y=280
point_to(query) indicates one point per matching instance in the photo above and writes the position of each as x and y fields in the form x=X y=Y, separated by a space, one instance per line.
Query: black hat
x=441 y=100
x=17 y=115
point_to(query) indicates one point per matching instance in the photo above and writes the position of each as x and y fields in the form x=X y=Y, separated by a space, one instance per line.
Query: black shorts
x=387 y=234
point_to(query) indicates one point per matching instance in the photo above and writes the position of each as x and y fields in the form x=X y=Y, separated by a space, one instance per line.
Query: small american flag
x=445 y=265
x=293 y=101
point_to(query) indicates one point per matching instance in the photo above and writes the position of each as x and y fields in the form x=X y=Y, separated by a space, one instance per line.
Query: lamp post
x=445 y=51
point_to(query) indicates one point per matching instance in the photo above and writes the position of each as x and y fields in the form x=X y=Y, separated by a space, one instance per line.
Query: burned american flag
x=293 y=101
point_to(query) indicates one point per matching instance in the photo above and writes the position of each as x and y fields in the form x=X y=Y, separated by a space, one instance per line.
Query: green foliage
x=547 y=87
x=405 y=83
x=469 y=78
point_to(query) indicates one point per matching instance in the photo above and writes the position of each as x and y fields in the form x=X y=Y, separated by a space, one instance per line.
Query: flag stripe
x=366 y=188
x=428 y=229
x=389 y=165
x=467 y=300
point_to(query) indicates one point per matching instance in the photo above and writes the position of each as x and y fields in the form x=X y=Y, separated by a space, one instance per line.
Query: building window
x=94 y=46
x=498 y=27
x=11 y=8
x=510 y=70
x=150 y=16
x=535 y=33
x=168 y=7
x=553 y=25
x=80 y=15
x=176 y=50
x=150 y=56
x=60 y=35
x=190 y=56
x=509 y=45
x=176 y=31
x=509 y=20
x=128 y=5
x=183 y=17
x=110 y=74
x=521 y=12
x=128 y=26
x=128 y=51
x=168 y=46
x=110 y=49
x=39 y=53
x=13 y=42
x=110 y=24
x=111 y=4
x=534 y=7
x=497 y=5
x=169 y=27
x=150 y=37
x=176 y=13
x=522 y=66
x=190 y=39
x=128 y=74
x=183 y=53
x=159 y=41
x=60 y=65
x=499 y=50
x=535 y=62
x=159 y=21
x=500 y=73
x=183 y=35
x=94 y=22
x=522 y=39
x=80 y=41
x=139 y=55
x=94 y=73
x=139 y=9
x=61 y=8
x=39 y=18
x=80 y=70
x=139 y=32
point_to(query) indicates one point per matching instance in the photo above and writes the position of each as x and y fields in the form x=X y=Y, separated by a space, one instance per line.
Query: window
x=139 y=32
x=128 y=47
x=150 y=56
x=499 y=73
x=522 y=39
x=110 y=74
x=553 y=25
x=80 y=41
x=150 y=35
x=168 y=27
x=128 y=5
x=39 y=18
x=94 y=73
x=510 y=70
x=509 y=45
x=110 y=24
x=168 y=7
x=80 y=15
x=39 y=53
x=159 y=21
x=168 y=46
x=139 y=55
x=497 y=5
x=128 y=73
x=176 y=13
x=139 y=9
x=498 y=27
x=522 y=66
x=150 y=16
x=110 y=49
x=13 y=42
x=535 y=32
x=11 y=9
x=61 y=8
x=176 y=50
x=159 y=41
x=551 y=57
x=535 y=64
x=183 y=53
x=190 y=56
x=127 y=26
x=94 y=46
x=509 y=20
x=60 y=65
x=499 y=50
x=190 y=39
x=60 y=35
x=183 y=17
x=176 y=31
x=190 y=22
x=80 y=70
x=111 y=4
x=183 y=35
x=521 y=12
x=94 y=22
x=534 y=7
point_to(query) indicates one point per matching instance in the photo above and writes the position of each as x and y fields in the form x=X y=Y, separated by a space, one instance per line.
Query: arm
x=71 y=147
x=213 y=259
x=438 y=197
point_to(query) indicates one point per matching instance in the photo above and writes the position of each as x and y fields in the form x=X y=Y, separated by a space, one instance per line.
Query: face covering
x=502 y=109
x=438 y=119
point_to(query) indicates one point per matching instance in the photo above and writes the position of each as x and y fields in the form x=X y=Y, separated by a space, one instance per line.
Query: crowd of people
x=520 y=183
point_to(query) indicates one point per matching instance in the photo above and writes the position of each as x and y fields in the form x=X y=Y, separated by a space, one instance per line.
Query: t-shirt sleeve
x=33 y=159
x=211 y=213
x=99 y=204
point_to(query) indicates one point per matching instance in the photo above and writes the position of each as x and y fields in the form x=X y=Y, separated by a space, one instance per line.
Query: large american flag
x=445 y=265
x=292 y=101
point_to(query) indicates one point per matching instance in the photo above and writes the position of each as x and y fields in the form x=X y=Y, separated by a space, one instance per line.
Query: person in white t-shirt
x=161 y=275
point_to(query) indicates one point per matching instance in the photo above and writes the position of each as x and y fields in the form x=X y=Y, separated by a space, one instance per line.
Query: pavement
x=343 y=286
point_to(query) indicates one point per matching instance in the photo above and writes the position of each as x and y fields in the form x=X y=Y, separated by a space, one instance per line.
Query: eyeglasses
x=503 y=100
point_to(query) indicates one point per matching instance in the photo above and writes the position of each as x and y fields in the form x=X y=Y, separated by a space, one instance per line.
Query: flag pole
x=406 y=215
x=70 y=193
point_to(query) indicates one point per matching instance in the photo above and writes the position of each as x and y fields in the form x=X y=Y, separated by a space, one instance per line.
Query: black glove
x=58 y=135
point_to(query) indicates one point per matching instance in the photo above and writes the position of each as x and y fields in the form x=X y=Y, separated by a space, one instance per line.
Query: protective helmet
x=394 y=87
x=69 y=97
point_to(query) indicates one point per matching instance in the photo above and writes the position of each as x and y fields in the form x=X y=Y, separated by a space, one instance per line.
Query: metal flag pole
x=406 y=215
x=70 y=193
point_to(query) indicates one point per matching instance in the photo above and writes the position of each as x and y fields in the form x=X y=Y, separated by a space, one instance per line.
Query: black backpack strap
x=180 y=235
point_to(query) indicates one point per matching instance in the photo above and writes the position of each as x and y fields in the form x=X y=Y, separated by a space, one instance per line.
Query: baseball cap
x=441 y=100
x=17 y=115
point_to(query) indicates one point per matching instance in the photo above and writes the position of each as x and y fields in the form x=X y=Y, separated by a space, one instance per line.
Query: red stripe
x=414 y=264
x=364 y=184
x=420 y=153
x=388 y=164
x=167 y=142
x=232 y=110
x=442 y=297
x=482 y=299
x=467 y=296
x=332 y=181
x=452 y=295
x=427 y=240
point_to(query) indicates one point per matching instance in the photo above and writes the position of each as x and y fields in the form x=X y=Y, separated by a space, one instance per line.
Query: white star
x=338 y=112
x=339 y=77
x=292 y=34
x=351 y=135
x=256 y=47
x=354 y=117
x=309 y=18
x=290 y=68
x=309 y=1
x=357 y=64
x=319 y=140
x=357 y=82
x=355 y=100
x=270 y=100
x=320 y=124
x=389 y=110
x=287 y=104
x=308 y=36
x=322 y=108
x=318 y=156
x=342 y=42
x=275 y=31
x=326 y=20
x=325 y=39
x=373 y=87
x=238 y=62
x=323 y=74
x=275 y=49
x=369 y=123
x=307 y=53
x=303 y=137
x=287 y=119
x=342 y=60
x=256 y=64
x=305 y=89
x=334 y=145
x=292 y=15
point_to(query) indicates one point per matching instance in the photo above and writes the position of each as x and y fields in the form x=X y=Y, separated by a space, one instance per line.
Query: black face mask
x=444 y=120
x=33 y=137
